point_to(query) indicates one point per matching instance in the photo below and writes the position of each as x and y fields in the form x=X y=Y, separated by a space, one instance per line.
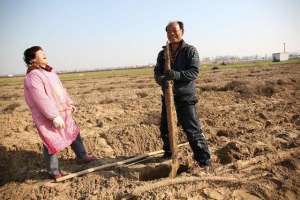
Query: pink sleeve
x=36 y=89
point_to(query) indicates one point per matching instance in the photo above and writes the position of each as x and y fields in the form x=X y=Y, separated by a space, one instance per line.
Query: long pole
x=119 y=163
x=171 y=113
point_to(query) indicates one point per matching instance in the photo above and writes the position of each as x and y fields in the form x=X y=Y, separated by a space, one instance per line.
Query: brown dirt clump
x=10 y=108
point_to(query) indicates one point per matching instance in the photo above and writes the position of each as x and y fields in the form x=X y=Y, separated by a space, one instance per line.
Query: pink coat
x=47 y=98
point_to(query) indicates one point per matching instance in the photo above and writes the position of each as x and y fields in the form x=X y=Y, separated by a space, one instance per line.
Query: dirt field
x=251 y=118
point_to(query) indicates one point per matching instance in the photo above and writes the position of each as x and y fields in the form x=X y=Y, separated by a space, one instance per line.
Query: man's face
x=40 y=58
x=174 y=33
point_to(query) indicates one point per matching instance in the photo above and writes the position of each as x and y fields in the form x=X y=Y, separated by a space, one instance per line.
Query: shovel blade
x=174 y=168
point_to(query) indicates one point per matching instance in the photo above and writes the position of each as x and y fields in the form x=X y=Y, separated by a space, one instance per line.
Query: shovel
x=171 y=114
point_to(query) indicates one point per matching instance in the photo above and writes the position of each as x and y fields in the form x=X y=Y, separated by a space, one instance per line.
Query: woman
x=51 y=109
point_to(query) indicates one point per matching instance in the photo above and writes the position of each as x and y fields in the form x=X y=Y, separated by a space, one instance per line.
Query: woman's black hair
x=29 y=54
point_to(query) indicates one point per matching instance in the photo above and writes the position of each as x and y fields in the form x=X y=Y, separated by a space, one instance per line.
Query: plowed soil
x=250 y=117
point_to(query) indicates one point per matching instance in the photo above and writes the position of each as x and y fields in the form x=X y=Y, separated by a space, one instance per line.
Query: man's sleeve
x=192 y=66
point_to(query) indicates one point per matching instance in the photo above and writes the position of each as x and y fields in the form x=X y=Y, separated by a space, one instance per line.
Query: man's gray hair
x=180 y=23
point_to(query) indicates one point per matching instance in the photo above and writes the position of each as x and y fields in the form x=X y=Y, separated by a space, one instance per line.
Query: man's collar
x=183 y=44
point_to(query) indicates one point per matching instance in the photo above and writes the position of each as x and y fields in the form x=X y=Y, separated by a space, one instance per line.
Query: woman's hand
x=58 y=122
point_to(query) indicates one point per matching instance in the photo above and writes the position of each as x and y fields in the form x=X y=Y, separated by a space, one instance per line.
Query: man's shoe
x=205 y=163
x=86 y=159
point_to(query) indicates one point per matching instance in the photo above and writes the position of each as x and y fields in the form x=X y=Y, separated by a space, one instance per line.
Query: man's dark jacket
x=186 y=67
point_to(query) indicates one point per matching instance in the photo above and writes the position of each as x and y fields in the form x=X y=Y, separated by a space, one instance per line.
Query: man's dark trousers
x=187 y=117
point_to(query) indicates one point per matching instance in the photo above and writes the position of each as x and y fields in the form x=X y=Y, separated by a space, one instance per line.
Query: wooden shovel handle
x=171 y=113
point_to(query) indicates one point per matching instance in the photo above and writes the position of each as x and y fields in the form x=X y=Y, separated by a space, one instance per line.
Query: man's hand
x=160 y=79
x=58 y=122
x=169 y=75
x=172 y=75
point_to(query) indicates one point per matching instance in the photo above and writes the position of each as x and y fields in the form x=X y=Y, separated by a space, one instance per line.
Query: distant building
x=277 y=57
x=283 y=56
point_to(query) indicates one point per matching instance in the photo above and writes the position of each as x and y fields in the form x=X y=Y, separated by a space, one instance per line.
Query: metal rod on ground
x=171 y=113
x=105 y=166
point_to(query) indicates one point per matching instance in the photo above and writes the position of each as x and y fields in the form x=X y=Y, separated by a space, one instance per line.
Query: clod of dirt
x=268 y=123
x=233 y=85
x=159 y=171
x=296 y=119
x=9 y=96
x=99 y=123
x=260 y=148
x=266 y=90
x=28 y=128
x=230 y=152
x=152 y=173
x=213 y=194
x=236 y=86
x=224 y=133
x=240 y=87
x=11 y=107
x=280 y=82
x=142 y=94
x=243 y=194
x=290 y=164
x=262 y=115
x=209 y=88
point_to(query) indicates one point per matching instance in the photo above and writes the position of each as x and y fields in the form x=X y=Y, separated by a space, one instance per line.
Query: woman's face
x=40 y=59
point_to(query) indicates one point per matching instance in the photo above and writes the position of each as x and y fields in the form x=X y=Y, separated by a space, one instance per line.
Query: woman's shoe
x=58 y=175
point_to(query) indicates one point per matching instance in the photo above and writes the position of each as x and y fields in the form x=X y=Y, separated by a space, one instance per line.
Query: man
x=184 y=71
